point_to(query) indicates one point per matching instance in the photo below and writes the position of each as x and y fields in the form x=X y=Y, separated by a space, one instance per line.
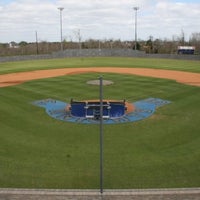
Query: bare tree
x=195 y=41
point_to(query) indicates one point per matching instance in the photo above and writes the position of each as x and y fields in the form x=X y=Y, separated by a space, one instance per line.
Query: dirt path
x=179 y=76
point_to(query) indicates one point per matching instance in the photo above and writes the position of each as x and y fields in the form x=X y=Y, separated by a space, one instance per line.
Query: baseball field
x=37 y=151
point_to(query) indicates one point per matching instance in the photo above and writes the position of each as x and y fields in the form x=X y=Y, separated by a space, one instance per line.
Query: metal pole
x=101 y=134
x=136 y=9
x=61 y=40
x=36 y=37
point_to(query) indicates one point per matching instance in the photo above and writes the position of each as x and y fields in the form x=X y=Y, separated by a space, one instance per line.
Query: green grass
x=182 y=65
x=37 y=151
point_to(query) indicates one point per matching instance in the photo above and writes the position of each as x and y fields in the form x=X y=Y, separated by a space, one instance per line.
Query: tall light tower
x=136 y=9
x=61 y=39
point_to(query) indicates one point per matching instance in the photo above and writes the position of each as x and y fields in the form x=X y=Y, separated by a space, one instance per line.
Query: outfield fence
x=98 y=53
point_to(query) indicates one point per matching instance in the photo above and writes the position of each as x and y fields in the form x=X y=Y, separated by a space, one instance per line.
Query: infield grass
x=37 y=151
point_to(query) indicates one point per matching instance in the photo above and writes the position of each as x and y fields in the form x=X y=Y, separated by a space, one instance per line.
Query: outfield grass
x=38 y=151
x=182 y=65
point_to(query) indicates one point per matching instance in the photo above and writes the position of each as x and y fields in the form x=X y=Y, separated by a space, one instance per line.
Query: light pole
x=136 y=9
x=61 y=40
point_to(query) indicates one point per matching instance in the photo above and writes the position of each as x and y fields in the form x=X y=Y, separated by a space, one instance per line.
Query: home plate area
x=88 y=112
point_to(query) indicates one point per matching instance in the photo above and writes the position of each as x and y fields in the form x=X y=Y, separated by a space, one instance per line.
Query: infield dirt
x=188 y=78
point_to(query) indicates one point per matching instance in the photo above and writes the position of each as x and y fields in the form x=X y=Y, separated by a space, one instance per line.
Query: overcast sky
x=97 y=19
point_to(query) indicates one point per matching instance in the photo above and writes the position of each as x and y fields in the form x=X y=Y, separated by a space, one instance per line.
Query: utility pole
x=61 y=39
x=36 y=38
x=79 y=38
x=136 y=9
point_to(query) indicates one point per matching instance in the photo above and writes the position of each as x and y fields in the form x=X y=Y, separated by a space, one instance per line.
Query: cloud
x=97 y=19
x=176 y=16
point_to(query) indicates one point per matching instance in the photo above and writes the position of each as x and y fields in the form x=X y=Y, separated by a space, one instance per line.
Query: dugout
x=91 y=109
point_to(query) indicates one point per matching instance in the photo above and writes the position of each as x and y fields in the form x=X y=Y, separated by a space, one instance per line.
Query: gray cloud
x=97 y=19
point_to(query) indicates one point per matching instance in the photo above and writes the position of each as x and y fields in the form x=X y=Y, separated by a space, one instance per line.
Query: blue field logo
x=142 y=109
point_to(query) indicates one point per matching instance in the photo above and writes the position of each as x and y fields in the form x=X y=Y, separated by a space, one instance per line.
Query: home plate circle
x=97 y=82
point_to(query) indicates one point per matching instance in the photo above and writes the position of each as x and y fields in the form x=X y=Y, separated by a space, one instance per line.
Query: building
x=186 y=49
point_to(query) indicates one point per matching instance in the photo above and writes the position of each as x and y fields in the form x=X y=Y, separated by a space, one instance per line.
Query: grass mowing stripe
x=41 y=152
x=181 y=65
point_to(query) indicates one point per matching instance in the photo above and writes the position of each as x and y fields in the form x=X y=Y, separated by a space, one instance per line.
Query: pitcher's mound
x=97 y=82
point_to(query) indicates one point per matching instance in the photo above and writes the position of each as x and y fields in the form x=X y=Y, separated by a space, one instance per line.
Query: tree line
x=161 y=46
